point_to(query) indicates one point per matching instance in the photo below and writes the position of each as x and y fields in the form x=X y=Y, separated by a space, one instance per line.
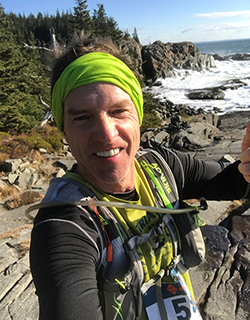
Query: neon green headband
x=90 y=68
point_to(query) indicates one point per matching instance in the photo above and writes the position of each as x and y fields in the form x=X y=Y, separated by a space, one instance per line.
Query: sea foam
x=176 y=89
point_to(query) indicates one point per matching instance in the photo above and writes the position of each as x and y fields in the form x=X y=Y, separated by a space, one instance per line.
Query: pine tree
x=126 y=35
x=105 y=26
x=135 y=36
x=113 y=31
x=19 y=104
x=81 y=20
x=99 y=19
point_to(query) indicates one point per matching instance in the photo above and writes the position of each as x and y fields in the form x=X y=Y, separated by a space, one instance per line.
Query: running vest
x=144 y=256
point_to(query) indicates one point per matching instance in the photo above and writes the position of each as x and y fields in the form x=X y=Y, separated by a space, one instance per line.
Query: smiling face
x=102 y=128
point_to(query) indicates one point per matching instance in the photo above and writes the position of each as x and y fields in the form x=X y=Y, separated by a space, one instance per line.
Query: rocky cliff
x=161 y=60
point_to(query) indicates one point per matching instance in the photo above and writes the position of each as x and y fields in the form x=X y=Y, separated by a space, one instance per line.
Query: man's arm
x=209 y=179
x=244 y=166
x=63 y=263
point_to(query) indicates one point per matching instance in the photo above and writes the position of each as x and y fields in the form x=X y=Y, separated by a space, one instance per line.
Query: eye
x=82 y=117
x=118 y=111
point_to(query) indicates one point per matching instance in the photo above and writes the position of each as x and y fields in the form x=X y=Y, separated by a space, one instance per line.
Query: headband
x=90 y=68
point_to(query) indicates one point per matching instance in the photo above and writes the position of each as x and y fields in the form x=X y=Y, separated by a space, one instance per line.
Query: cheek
x=133 y=133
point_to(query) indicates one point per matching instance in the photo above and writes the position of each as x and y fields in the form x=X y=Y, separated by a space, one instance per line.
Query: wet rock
x=207 y=94
x=218 y=57
x=233 y=84
x=236 y=57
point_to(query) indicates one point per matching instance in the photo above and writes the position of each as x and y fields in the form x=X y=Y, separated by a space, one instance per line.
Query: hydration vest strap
x=148 y=284
x=160 y=300
x=167 y=219
x=142 y=238
x=158 y=185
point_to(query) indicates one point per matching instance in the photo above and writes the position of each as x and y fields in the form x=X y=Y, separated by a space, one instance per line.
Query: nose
x=105 y=128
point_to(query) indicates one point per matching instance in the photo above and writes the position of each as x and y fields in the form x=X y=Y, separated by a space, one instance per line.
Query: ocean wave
x=176 y=89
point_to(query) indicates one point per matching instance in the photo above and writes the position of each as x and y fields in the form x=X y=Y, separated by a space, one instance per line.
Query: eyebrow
x=75 y=112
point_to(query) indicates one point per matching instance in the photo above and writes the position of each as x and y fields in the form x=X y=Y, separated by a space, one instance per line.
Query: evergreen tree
x=99 y=19
x=81 y=19
x=126 y=35
x=113 y=31
x=135 y=36
x=104 y=26
x=19 y=104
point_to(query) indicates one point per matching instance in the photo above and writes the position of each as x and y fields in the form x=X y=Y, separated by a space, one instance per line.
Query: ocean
x=224 y=48
x=175 y=89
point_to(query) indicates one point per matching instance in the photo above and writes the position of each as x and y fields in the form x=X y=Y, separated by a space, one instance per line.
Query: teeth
x=109 y=153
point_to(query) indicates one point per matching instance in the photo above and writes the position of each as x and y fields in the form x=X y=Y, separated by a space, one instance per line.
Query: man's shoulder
x=66 y=190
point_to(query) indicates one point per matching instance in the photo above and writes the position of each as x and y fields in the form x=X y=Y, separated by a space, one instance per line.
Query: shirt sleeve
x=210 y=179
x=63 y=258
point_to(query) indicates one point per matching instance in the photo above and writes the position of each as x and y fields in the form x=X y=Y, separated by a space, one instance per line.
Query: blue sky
x=165 y=20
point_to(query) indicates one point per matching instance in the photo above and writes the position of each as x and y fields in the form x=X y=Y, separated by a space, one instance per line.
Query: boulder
x=12 y=177
x=162 y=60
x=157 y=61
x=65 y=164
x=146 y=136
x=10 y=165
x=238 y=57
x=26 y=178
x=216 y=93
x=161 y=137
x=206 y=94
x=235 y=57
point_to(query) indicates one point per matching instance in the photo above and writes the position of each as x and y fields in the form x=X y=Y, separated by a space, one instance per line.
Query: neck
x=124 y=185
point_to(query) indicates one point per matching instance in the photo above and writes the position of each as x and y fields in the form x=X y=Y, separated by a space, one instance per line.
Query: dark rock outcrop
x=197 y=130
x=225 y=271
x=235 y=57
x=163 y=60
x=207 y=94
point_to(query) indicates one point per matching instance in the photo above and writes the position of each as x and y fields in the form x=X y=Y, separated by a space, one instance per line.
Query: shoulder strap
x=151 y=160
x=189 y=234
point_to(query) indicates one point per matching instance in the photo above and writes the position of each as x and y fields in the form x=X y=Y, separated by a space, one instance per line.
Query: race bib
x=175 y=297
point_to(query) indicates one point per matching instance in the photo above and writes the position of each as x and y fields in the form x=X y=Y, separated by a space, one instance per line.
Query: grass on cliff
x=20 y=146
x=150 y=119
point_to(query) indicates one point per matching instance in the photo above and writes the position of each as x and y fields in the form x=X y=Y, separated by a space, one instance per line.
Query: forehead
x=100 y=91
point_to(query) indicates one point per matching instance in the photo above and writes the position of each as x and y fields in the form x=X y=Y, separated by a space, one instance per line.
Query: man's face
x=102 y=128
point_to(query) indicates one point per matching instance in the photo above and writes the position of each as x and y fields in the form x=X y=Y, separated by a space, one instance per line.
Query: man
x=122 y=263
